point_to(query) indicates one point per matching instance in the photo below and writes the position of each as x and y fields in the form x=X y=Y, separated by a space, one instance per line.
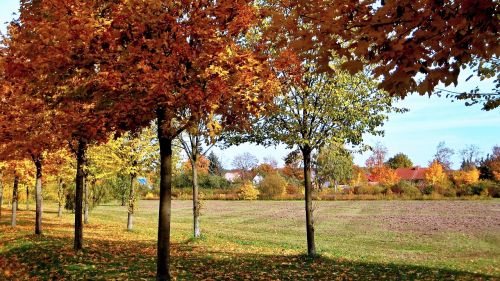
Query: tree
x=469 y=176
x=215 y=167
x=490 y=166
x=443 y=155
x=377 y=159
x=60 y=66
x=245 y=163
x=191 y=142
x=2 y=168
x=272 y=186
x=314 y=109
x=185 y=64
x=385 y=175
x=435 y=174
x=131 y=155
x=399 y=160
x=470 y=157
x=335 y=164
x=413 y=45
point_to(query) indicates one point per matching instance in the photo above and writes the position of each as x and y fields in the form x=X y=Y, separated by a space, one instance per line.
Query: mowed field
x=265 y=240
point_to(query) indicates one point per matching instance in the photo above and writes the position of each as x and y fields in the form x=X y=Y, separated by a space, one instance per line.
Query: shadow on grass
x=49 y=258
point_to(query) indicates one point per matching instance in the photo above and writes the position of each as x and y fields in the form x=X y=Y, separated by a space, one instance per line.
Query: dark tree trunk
x=27 y=198
x=196 y=203
x=1 y=193
x=123 y=198
x=14 y=200
x=311 y=248
x=163 y=258
x=80 y=164
x=85 y=201
x=131 y=204
x=38 y=196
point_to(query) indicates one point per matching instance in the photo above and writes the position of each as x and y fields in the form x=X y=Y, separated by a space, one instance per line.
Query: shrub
x=486 y=187
x=292 y=189
x=248 y=192
x=398 y=188
x=427 y=190
x=369 y=189
x=150 y=196
x=410 y=191
x=272 y=186
x=464 y=190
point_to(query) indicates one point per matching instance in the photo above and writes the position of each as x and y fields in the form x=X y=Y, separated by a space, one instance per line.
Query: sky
x=415 y=133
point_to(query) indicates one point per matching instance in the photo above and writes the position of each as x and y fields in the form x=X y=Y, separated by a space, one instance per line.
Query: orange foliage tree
x=202 y=164
x=414 y=45
x=385 y=175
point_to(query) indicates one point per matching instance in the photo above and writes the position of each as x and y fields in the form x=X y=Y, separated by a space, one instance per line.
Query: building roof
x=411 y=174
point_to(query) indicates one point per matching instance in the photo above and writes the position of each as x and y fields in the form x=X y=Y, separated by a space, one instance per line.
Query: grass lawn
x=264 y=240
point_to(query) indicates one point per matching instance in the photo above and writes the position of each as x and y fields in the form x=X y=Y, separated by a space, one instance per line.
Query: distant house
x=414 y=174
x=257 y=179
x=232 y=175
x=372 y=180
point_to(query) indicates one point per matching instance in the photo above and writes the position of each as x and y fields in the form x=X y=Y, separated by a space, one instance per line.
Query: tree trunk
x=38 y=196
x=131 y=204
x=27 y=198
x=80 y=163
x=311 y=248
x=60 y=197
x=85 y=201
x=163 y=258
x=196 y=204
x=1 y=193
x=14 y=200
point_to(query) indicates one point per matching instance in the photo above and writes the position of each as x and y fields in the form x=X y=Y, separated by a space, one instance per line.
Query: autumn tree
x=468 y=176
x=2 y=168
x=315 y=108
x=184 y=64
x=435 y=174
x=413 y=45
x=60 y=65
x=443 y=155
x=399 y=160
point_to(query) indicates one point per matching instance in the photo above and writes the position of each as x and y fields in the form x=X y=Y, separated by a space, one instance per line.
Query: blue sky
x=415 y=133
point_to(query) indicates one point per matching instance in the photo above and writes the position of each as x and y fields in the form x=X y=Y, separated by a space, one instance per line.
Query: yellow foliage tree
x=248 y=191
x=466 y=177
x=435 y=175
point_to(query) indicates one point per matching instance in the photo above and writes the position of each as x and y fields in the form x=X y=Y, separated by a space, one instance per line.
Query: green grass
x=252 y=240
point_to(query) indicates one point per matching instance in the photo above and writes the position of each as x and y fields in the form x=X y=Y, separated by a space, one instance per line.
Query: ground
x=265 y=240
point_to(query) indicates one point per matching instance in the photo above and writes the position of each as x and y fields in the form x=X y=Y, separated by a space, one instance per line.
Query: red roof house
x=411 y=174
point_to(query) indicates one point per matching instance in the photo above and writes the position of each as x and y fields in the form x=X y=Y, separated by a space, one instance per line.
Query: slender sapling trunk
x=38 y=196
x=80 y=163
x=131 y=203
x=14 y=200
x=311 y=247
x=196 y=203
